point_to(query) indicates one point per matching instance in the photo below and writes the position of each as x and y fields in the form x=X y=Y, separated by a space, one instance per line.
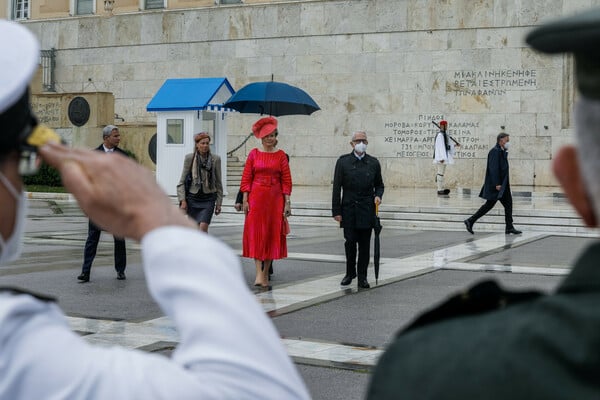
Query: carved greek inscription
x=415 y=138
x=491 y=82
x=47 y=111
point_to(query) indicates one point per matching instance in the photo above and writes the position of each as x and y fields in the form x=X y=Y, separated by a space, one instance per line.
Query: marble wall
x=389 y=67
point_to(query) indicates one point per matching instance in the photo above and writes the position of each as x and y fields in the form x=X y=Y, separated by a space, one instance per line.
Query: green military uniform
x=545 y=348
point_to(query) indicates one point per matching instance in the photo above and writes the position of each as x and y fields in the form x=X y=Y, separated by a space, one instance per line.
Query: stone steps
x=235 y=167
x=559 y=220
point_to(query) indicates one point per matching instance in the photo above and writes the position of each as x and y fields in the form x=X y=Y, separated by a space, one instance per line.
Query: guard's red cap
x=264 y=126
x=443 y=122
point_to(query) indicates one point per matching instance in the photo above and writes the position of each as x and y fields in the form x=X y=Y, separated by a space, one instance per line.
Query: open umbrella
x=272 y=98
x=376 y=252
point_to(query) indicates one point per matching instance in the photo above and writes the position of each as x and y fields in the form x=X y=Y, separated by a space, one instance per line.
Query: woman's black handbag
x=187 y=183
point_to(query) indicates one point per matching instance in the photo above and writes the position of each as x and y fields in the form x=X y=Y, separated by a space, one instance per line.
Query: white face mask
x=506 y=145
x=360 y=147
x=10 y=248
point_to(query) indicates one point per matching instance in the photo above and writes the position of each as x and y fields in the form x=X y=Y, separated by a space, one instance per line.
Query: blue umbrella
x=272 y=98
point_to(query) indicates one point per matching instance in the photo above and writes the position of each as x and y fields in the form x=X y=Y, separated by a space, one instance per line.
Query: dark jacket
x=117 y=150
x=545 y=348
x=355 y=185
x=496 y=173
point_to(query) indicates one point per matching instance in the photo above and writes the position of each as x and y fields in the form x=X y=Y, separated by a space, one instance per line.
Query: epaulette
x=16 y=290
x=483 y=297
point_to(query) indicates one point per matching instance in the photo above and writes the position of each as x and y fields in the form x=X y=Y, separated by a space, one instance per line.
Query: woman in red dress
x=266 y=185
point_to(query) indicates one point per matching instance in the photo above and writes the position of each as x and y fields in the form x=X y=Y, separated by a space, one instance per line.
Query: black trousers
x=91 y=244
x=362 y=238
x=505 y=200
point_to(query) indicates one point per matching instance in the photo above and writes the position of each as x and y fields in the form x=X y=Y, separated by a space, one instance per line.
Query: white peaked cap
x=19 y=60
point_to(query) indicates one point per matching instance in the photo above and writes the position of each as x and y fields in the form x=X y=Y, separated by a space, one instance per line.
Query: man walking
x=496 y=185
x=111 y=139
x=357 y=189
x=443 y=154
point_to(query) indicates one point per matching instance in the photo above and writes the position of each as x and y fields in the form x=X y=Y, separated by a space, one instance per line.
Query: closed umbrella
x=376 y=251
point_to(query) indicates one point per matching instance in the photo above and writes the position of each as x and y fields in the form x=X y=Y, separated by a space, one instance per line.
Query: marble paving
x=159 y=333
x=284 y=299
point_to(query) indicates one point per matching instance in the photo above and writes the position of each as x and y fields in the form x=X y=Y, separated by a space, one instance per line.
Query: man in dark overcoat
x=489 y=343
x=496 y=185
x=357 y=189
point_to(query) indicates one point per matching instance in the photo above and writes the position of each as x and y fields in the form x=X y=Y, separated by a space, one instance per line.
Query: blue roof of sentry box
x=192 y=94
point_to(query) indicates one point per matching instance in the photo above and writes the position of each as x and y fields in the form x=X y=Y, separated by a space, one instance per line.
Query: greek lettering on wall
x=495 y=82
x=47 y=111
x=415 y=137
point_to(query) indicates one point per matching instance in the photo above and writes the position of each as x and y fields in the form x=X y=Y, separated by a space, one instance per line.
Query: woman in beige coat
x=200 y=189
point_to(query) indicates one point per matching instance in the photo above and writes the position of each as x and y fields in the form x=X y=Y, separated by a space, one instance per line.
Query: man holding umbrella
x=357 y=190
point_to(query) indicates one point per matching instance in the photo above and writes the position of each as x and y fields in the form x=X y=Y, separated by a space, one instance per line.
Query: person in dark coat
x=488 y=343
x=496 y=186
x=111 y=139
x=357 y=189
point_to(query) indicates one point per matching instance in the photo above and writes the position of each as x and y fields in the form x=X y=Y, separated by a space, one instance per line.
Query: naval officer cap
x=578 y=34
x=19 y=59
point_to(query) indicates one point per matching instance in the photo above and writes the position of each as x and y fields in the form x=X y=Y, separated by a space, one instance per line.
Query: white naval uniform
x=440 y=154
x=228 y=347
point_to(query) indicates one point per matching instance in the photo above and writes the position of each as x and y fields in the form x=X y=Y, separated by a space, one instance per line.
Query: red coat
x=267 y=179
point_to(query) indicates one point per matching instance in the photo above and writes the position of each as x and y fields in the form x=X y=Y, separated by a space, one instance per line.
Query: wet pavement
x=334 y=334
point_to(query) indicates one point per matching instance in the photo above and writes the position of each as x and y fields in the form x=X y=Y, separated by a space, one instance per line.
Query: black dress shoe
x=513 y=231
x=363 y=284
x=84 y=277
x=443 y=192
x=121 y=276
x=347 y=280
x=469 y=226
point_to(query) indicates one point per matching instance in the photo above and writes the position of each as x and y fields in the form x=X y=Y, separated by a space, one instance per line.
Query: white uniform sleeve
x=440 y=149
x=452 y=151
x=229 y=349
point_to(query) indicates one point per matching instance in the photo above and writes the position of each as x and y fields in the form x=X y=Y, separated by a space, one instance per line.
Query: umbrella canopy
x=272 y=98
x=376 y=245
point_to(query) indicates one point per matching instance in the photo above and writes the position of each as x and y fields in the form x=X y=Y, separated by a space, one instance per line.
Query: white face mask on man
x=360 y=147
x=10 y=249
x=506 y=145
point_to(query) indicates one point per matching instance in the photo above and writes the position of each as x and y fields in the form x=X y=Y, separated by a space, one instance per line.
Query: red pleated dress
x=267 y=179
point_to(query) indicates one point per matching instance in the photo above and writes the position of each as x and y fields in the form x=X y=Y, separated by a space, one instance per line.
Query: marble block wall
x=389 y=67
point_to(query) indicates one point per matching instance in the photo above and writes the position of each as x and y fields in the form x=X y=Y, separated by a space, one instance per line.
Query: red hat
x=264 y=126
x=443 y=122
